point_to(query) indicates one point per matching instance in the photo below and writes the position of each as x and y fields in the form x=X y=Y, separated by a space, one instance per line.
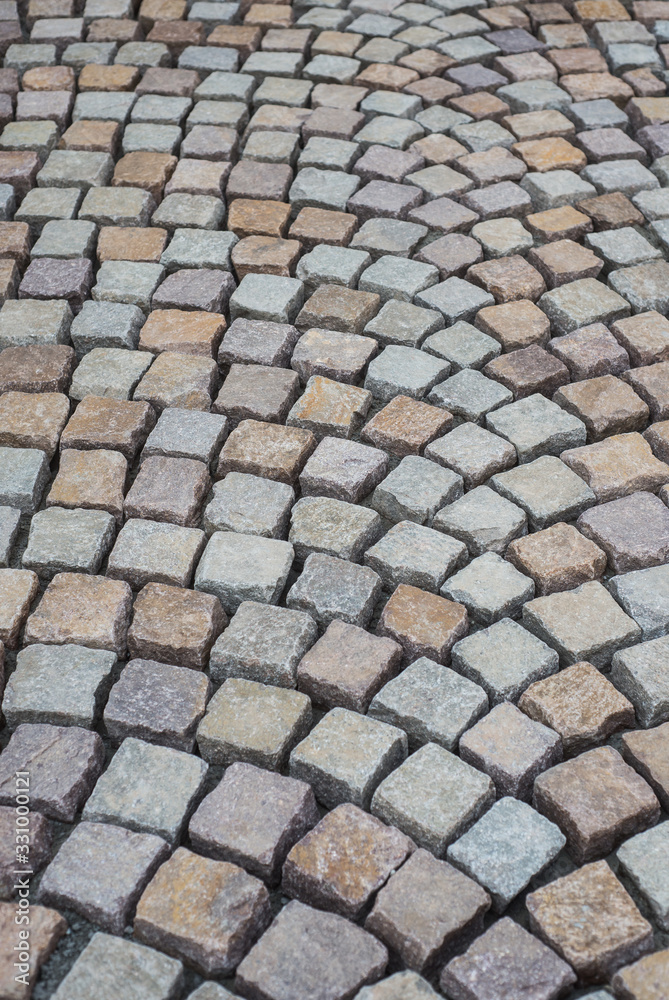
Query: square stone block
x=94 y=480
x=557 y=558
x=253 y=818
x=581 y=705
x=508 y=847
x=179 y=380
x=433 y=797
x=431 y=703
x=148 y=551
x=267 y=450
x=618 y=466
x=426 y=911
x=490 y=588
x=18 y=589
x=537 y=426
x=157 y=703
x=572 y=794
x=263 y=643
x=504 y=658
x=24 y=474
x=64 y=764
x=250 y=505
x=174 y=625
x=641 y=860
x=168 y=489
x=238 y=568
x=507 y=959
x=255 y=723
x=610 y=931
x=213 y=931
x=423 y=624
x=341 y=956
x=147 y=788
x=323 y=868
x=643 y=595
x=412 y=554
x=640 y=672
x=59 y=685
x=483 y=520
x=346 y=756
x=116 y=425
x=547 y=489
x=511 y=748
x=114 y=964
x=347 y=666
x=119 y=863
x=415 y=490
x=88 y=610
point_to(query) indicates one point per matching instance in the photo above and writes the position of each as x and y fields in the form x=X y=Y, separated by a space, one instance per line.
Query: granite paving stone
x=321 y=869
x=433 y=797
x=580 y=704
x=58 y=685
x=65 y=763
x=121 y=863
x=253 y=818
x=342 y=957
x=113 y=963
x=507 y=959
x=505 y=849
x=427 y=910
x=171 y=917
x=135 y=709
x=594 y=949
x=129 y=792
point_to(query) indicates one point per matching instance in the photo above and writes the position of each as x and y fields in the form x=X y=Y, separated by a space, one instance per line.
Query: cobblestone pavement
x=334 y=488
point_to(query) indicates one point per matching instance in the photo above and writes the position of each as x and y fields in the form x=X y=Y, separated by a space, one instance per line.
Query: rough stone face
x=510 y=748
x=338 y=957
x=109 y=964
x=597 y=800
x=582 y=624
x=326 y=868
x=255 y=723
x=507 y=960
x=40 y=835
x=641 y=860
x=211 y=929
x=133 y=791
x=60 y=685
x=646 y=752
x=589 y=919
x=158 y=703
x=557 y=558
x=426 y=911
x=504 y=658
x=347 y=666
x=47 y=927
x=346 y=755
x=433 y=797
x=253 y=818
x=580 y=704
x=194 y=620
x=64 y=763
x=423 y=624
x=431 y=703
x=506 y=848
x=119 y=864
x=640 y=673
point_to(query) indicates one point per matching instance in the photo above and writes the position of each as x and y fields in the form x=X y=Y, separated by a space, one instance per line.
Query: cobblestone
x=332 y=377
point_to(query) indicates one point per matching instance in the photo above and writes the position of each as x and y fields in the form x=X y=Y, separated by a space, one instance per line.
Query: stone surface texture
x=334 y=498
